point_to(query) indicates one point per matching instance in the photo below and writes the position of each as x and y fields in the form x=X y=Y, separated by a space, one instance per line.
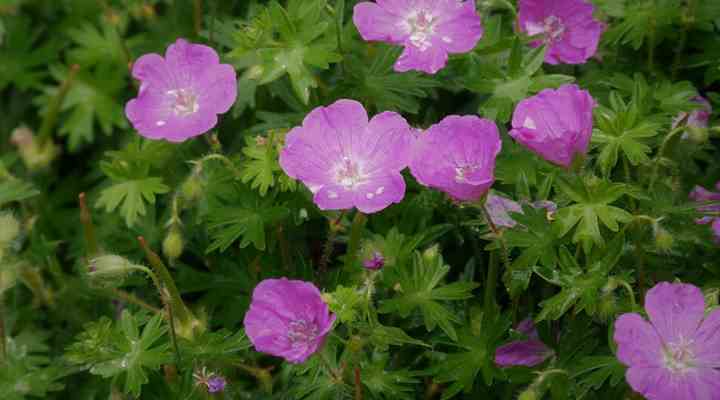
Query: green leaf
x=261 y=168
x=595 y=371
x=121 y=350
x=384 y=336
x=389 y=384
x=24 y=57
x=96 y=45
x=344 y=302
x=132 y=197
x=420 y=280
x=12 y=189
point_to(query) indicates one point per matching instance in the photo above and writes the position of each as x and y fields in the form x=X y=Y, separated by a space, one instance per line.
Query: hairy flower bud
x=9 y=229
x=192 y=188
x=109 y=270
x=35 y=155
x=663 y=239
x=173 y=244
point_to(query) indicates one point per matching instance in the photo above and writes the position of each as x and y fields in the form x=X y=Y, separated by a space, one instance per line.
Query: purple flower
x=676 y=355
x=180 y=95
x=499 y=207
x=216 y=384
x=375 y=262
x=428 y=29
x=457 y=156
x=529 y=353
x=347 y=161
x=702 y=195
x=567 y=26
x=698 y=118
x=555 y=124
x=287 y=319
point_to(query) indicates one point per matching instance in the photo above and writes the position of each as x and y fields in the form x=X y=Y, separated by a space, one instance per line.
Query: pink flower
x=287 y=319
x=702 y=195
x=529 y=353
x=457 y=156
x=567 y=26
x=348 y=161
x=428 y=29
x=182 y=94
x=499 y=208
x=696 y=119
x=555 y=124
x=677 y=355
x=375 y=262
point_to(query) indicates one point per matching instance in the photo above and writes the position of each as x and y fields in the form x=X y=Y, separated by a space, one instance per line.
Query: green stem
x=358 y=384
x=131 y=298
x=183 y=314
x=491 y=284
x=498 y=235
x=3 y=338
x=56 y=103
x=663 y=146
x=197 y=16
x=88 y=228
x=356 y=229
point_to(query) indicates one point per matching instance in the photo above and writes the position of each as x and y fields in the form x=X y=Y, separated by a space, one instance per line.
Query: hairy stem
x=356 y=229
x=88 y=228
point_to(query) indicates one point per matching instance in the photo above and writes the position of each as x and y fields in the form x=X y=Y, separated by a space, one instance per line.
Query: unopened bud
x=663 y=239
x=355 y=344
x=173 y=244
x=431 y=254
x=9 y=229
x=192 y=187
x=35 y=155
x=695 y=134
x=528 y=394
x=109 y=270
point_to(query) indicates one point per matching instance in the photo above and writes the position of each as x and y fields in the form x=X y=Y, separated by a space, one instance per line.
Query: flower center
x=349 y=174
x=461 y=172
x=554 y=29
x=679 y=357
x=183 y=102
x=421 y=25
x=301 y=332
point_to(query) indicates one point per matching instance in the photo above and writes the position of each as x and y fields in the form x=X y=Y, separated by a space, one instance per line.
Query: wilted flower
x=288 y=319
x=676 y=355
x=428 y=29
x=499 y=208
x=696 y=121
x=567 y=26
x=347 y=161
x=182 y=94
x=457 y=156
x=529 y=353
x=375 y=261
x=212 y=381
x=702 y=195
x=555 y=123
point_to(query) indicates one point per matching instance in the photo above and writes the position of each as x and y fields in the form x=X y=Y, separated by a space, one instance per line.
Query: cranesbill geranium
x=529 y=352
x=348 y=161
x=555 y=123
x=182 y=94
x=457 y=156
x=676 y=355
x=288 y=319
x=428 y=29
x=696 y=119
x=567 y=28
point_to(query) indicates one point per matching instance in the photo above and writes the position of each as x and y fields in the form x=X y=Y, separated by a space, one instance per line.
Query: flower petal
x=707 y=341
x=675 y=309
x=379 y=193
x=524 y=352
x=638 y=343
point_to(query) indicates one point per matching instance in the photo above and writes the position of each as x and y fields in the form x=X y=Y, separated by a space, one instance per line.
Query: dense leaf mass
x=416 y=199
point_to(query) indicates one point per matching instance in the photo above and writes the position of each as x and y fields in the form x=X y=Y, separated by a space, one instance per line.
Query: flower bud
x=9 y=229
x=375 y=262
x=192 y=188
x=173 y=244
x=698 y=135
x=663 y=239
x=529 y=394
x=35 y=156
x=109 y=270
x=355 y=344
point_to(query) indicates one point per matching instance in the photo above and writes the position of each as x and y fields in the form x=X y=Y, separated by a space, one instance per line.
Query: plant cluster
x=359 y=199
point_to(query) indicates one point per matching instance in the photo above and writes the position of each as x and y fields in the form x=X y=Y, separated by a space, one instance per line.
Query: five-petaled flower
x=529 y=352
x=288 y=319
x=555 y=123
x=457 y=156
x=568 y=28
x=676 y=355
x=702 y=195
x=428 y=29
x=348 y=161
x=182 y=94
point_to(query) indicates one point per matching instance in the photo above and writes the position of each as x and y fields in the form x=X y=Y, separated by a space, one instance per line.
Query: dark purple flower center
x=301 y=332
x=183 y=102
